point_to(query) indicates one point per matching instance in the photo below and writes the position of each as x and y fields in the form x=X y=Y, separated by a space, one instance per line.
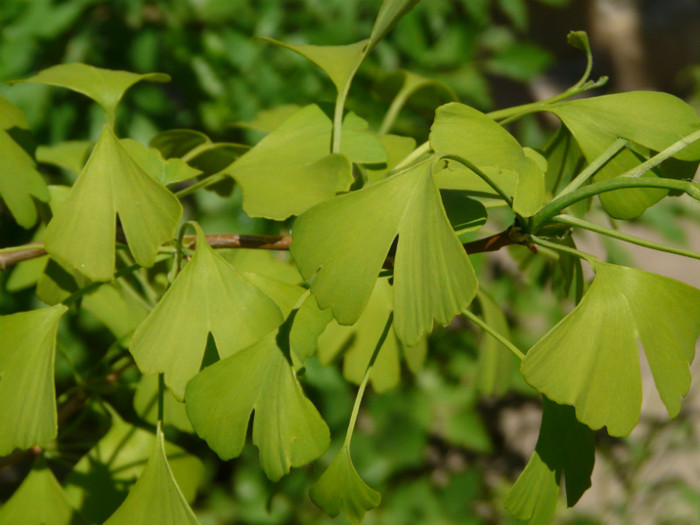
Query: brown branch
x=269 y=242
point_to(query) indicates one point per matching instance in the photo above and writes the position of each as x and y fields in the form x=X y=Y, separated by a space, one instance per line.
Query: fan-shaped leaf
x=564 y=447
x=100 y=481
x=155 y=495
x=292 y=169
x=346 y=241
x=39 y=499
x=340 y=488
x=111 y=183
x=651 y=119
x=590 y=358
x=287 y=428
x=357 y=342
x=209 y=296
x=27 y=392
x=466 y=132
x=339 y=62
x=19 y=179
x=104 y=86
x=164 y=171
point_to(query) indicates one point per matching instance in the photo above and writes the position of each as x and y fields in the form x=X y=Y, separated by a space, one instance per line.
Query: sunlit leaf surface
x=651 y=119
x=27 y=392
x=590 y=358
x=156 y=495
x=104 y=86
x=292 y=169
x=343 y=243
x=208 y=296
x=287 y=428
x=112 y=183
x=466 y=132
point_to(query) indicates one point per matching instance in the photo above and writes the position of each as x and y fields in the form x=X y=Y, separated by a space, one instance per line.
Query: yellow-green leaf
x=208 y=296
x=287 y=428
x=82 y=231
x=156 y=495
x=27 y=392
x=590 y=358
x=343 y=243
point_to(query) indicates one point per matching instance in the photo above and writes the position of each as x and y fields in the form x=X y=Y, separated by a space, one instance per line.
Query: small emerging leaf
x=590 y=358
x=27 y=393
x=287 y=428
x=340 y=488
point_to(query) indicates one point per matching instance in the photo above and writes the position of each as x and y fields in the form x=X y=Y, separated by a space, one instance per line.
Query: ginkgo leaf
x=177 y=142
x=287 y=428
x=164 y=171
x=340 y=488
x=590 y=358
x=104 y=86
x=565 y=448
x=98 y=484
x=111 y=183
x=208 y=296
x=433 y=277
x=469 y=134
x=27 y=393
x=396 y=148
x=357 y=343
x=339 y=62
x=19 y=179
x=69 y=155
x=389 y=14
x=146 y=405
x=496 y=364
x=291 y=169
x=39 y=499
x=155 y=494
x=653 y=120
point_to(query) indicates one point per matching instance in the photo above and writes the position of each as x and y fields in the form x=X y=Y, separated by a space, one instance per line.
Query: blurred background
x=439 y=450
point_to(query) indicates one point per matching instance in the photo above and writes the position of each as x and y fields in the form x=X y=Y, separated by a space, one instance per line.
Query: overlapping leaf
x=496 y=364
x=209 y=296
x=156 y=494
x=287 y=428
x=590 y=358
x=111 y=183
x=564 y=447
x=467 y=133
x=343 y=243
x=39 y=499
x=27 y=393
x=100 y=481
x=165 y=171
x=291 y=169
x=19 y=179
x=340 y=488
x=651 y=119
x=104 y=86
x=357 y=342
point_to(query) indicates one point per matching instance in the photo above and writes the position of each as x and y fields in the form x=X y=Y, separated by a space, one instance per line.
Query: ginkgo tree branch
x=16 y=254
